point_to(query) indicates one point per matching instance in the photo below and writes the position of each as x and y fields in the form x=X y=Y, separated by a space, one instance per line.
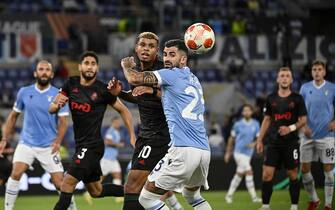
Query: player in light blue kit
x=185 y=166
x=243 y=134
x=42 y=133
x=318 y=142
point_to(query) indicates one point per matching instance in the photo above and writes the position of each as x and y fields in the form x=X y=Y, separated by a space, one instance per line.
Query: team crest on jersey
x=49 y=98
x=94 y=96
x=291 y=105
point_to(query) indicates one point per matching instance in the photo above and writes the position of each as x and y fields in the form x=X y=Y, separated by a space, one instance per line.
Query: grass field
x=280 y=201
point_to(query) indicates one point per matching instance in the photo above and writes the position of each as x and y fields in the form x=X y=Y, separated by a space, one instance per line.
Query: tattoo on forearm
x=149 y=78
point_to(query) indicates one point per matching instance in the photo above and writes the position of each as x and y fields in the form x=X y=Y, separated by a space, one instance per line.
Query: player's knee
x=305 y=168
x=267 y=176
x=95 y=193
x=16 y=175
x=133 y=185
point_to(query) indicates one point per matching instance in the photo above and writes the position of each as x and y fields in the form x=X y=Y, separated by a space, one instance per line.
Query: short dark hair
x=89 y=54
x=319 y=62
x=180 y=44
x=248 y=105
x=147 y=35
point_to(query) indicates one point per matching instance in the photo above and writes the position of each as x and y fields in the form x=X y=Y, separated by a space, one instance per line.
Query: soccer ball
x=199 y=38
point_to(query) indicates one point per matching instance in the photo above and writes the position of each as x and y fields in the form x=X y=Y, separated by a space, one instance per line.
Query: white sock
x=308 y=181
x=329 y=187
x=249 y=183
x=172 y=201
x=12 y=191
x=151 y=200
x=117 y=181
x=235 y=182
x=195 y=199
x=266 y=206
x=294 y=207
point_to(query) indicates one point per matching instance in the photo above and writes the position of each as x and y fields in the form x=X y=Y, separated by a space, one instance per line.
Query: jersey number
x=145 y=152
x=295 y=154
x=330 y=152
x=188 y=110
x=82 y=154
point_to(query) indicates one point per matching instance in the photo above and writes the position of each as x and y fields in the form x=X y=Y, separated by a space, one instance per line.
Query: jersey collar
x=42 y=91
x=319 y=87
x=247 y=122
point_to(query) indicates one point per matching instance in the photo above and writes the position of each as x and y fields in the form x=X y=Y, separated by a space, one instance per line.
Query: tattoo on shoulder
x=149 y=78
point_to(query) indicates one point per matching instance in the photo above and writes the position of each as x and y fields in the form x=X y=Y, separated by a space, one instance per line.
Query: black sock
x=294 y=191
x=64 y=201
x=131 y=202
x=110 y=189
x=266 y=191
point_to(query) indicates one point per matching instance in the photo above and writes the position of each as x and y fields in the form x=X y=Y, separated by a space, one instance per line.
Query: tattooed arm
x=135 y=77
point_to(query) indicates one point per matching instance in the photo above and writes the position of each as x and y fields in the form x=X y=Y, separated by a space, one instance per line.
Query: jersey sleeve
x=165 y=77
x=64 y=111
x=302 y=111
x=65 y=89
x=233 y=130
x=267 y=108
x=109 y=134
x=257 y=128
x=19 y=104
x=302 y=91
x=109 y=98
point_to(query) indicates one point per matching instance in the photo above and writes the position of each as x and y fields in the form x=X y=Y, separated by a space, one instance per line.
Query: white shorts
x=51 y=163
x=242 y=162
x=313 y=150
x=109 y=166
x=181 y=166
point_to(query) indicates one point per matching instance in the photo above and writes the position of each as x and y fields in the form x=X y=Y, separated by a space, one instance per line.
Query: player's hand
x=3 y=144
x=140 y=90
x=55 y=147
x=227 y=157
x=114 y=86
x=128 y=63
x=284 y=130
x=307 y=132
x=60 y=100
x=331 y=126
x=259 y=146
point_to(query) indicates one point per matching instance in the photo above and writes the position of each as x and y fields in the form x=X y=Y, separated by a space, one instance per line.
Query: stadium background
x=253 y=39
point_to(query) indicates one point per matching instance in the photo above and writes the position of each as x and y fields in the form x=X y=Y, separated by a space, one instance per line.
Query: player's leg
x=194 y=198
x=116 y=172
x=150 y=197
x=132 y=189
x=23 y=157
x=52 y=164
x=307 y=155
x=67 y=188
x=235 y=182
x=326 y=149
x=294 y=187
x=272 y=160
x=249 y=183
x=172 y=201
x=290 y=156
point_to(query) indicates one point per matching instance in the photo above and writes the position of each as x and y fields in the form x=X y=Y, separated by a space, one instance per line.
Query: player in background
x=41 y=135
x=318 y=142
x=285 y=114
x=109 y=162
x=153 y=139
x=243 y=134
x=88 y=99
x=185 y=166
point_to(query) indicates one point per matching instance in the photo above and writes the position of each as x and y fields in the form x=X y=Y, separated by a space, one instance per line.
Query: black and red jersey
x=88 y=105
x=284 y=111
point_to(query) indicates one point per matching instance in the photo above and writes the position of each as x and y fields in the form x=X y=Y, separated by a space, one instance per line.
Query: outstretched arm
x=7 y=129
x=134 y=77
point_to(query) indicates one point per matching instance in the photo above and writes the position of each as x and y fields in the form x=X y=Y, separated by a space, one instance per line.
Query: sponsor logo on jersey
x=81 y=107
x=284 y=116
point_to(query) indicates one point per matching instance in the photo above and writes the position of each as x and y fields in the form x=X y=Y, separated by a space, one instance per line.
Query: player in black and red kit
x=88 y=99
x=153 y=139
x=285 y=114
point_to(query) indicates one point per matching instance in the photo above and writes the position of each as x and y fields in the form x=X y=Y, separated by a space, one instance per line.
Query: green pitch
x=280 y=201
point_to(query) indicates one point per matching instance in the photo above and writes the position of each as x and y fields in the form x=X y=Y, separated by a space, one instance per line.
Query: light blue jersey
x=320 y=107
x=183 y=103
x=113 y=135
x=39 y=126
x=245 y=133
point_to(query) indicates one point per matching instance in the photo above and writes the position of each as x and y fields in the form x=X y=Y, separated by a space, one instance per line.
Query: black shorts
x=278 y=156
x=85 y=164
x=148 y=153
x=5 y=169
